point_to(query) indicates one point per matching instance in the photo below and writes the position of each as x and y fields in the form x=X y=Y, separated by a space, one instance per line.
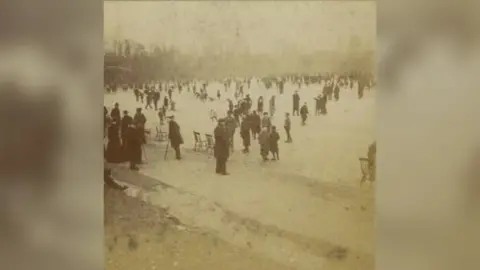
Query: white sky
x=264 y=26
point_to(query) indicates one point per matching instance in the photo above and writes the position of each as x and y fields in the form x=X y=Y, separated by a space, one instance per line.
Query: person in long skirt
x=114 y=146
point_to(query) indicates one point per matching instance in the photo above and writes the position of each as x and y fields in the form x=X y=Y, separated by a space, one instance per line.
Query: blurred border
x=51 y=76
x=428 y=135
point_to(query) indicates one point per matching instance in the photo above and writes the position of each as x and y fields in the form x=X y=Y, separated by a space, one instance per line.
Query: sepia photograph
x=239 y=135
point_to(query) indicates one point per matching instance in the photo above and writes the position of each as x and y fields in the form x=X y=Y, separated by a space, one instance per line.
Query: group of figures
x=126 y=135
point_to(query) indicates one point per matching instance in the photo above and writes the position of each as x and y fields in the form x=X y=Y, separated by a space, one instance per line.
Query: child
x=273 y=141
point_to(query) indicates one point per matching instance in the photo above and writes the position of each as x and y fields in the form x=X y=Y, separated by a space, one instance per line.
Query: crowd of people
x=126 y=134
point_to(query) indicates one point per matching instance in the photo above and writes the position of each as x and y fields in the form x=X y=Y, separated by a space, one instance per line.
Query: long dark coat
x=115 y=114
x=255 y=122
x=245 y=132
x=134 y=144
x=296 y=101
x=273 y=139
x=126 y=121
x=114 y=147
x=174 y=133
x=221 y=148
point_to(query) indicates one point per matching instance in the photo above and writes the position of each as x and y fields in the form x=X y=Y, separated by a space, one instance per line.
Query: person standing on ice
x=156 y=98
x=288 y=125
x=273 y=143
x=336 y=92
x=296 y=103
x=220 y=150
x=175 y=137
x=264 y=141
x=266 y=121
x=260 y=105
x=304 y=113
x=255 y=124
x=272 y=106
x=245 y=133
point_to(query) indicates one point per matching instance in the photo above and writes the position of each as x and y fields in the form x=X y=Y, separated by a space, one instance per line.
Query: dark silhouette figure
x=221 y=148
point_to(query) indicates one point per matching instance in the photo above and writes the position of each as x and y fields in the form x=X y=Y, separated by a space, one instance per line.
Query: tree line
x=131 y=62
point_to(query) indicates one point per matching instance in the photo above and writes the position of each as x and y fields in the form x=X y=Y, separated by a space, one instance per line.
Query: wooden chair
x=210 y=143
x=366 y=170
x=161 y=135
x=199 y=143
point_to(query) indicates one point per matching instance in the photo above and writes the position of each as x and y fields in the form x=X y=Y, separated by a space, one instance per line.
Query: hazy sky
x=262 y=26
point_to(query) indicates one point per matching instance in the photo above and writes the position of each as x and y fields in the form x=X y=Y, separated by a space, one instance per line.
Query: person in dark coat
x=304 y=113
x=156 y=98
x=140 y=120
x=134 y=145
x=136 y=92
x=221 y=148
x=175 y=137
x=230 y=105
x=149 y=94
x=115 y=113
x=165 y=102
x=255 y=124
x=245 y=133
x=336 y=92
x=248 y=101
x=126 y=121
x=260 y=105
x=142 y=95
x=273 y=138
x=296 y=103
x=114 y=147
x=323 y=105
